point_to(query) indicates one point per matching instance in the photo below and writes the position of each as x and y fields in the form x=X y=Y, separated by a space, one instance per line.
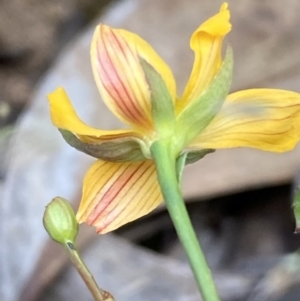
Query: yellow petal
x=115 y=57
x=206 y=42
x=117 y=193
x=64 y=117
x=259 y=118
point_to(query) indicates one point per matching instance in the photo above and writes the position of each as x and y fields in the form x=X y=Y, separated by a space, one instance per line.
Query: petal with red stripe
x=115 y=58
x=206 y=42
x=117 y=193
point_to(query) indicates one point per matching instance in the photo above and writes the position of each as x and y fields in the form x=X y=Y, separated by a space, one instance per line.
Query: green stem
x=165 y=163
x=98 y=293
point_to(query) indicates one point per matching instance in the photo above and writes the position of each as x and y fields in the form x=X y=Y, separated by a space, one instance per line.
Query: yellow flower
x=121 y=185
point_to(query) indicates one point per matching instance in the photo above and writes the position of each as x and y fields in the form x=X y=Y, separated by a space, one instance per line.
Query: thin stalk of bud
x=61 y=224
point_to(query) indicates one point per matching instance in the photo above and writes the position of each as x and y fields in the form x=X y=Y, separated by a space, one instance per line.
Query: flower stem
x=98 y=293
x=165 y=163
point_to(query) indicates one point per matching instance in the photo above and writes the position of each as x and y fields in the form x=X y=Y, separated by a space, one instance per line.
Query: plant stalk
x=165 y=162
x=97 y=293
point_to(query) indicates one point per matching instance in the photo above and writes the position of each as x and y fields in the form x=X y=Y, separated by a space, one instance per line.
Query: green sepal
x=60 y=222
x=118 y=150
x=163 y=112
x=196 y=155
x=180 y=164
x=200 y=112
x=189 y=157
x=296 y=209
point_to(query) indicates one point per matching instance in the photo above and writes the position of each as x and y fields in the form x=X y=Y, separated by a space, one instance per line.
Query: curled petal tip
x=64 y=117
x=224 y=7
x=218 y=25
x=206 y=42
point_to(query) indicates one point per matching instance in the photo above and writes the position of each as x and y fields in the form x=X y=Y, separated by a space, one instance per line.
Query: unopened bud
x=60 y=222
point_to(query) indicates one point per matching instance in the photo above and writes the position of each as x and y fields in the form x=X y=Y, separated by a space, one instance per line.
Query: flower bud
x=60 y=222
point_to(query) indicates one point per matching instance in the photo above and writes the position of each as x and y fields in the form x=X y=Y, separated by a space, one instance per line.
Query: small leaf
x=118 y=150
x=296 y=209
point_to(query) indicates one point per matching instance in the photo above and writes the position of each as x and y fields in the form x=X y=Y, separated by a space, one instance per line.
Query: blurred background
x=239 y=200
